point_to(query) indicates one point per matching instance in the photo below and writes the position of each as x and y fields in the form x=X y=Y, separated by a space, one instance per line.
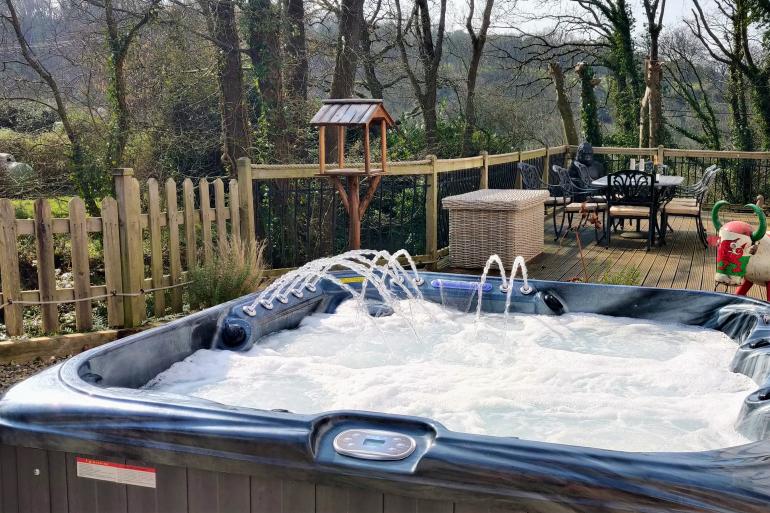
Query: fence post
x=81 y=271
x=547 y=166
x=9 y=268
x=131 y=251
x=246 y=198
x=661 y=152
x=113 y=275
x=517 y=185
x=46 y=279
x=484 y=171
x=431 y=210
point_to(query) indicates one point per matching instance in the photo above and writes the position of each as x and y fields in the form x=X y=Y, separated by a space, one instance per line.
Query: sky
x=676 y=11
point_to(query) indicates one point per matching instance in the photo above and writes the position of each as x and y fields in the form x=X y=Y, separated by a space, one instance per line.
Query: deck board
x=682 y=263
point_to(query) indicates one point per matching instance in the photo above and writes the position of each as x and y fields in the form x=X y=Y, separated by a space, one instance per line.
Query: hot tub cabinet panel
x=205 y=457
x=39 y=481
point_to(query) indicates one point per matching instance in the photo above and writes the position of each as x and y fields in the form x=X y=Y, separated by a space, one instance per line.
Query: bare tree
x=89 y=188
x=223 y=32
x=478 y=40
x=430 y=49
x=348 y=45
x=731 y=46
x=651 y=108
x=563 y=104
x=122 y=29
x=296 y=50
x=374 y=49
x=685 y=78
x=600 y=32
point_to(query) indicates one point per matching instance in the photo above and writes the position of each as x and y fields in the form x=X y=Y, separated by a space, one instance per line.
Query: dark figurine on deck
x=585 y=155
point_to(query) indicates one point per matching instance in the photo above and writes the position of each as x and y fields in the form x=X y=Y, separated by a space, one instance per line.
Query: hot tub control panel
x=373 y=444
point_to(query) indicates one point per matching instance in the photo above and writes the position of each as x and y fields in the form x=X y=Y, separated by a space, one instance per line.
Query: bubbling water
x=591 y=380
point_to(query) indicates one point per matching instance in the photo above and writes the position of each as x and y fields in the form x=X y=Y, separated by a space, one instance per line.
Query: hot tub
x=85 y=437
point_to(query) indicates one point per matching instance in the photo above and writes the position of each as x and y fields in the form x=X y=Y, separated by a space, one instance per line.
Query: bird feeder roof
x=351 y=111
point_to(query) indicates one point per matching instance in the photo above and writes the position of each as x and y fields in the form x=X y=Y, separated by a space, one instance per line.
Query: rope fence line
x=113 y=293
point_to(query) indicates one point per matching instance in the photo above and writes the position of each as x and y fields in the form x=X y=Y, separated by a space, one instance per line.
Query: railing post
x=431 y=210
x=484 y=171
x=547 y=166
x=661 y=152
x=518 y=183
x=131 y=246
x=246 y=198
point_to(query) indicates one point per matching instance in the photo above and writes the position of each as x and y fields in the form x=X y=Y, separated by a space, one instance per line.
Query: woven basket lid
x=496 y=199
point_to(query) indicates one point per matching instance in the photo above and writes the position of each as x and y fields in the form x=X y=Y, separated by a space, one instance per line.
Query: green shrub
x=623 y=276
x=236 y=272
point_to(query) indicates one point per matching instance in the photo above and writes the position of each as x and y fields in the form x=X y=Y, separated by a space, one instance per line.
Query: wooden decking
x=682 y=263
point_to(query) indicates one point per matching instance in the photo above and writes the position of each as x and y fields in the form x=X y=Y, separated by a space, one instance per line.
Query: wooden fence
x=142 y=253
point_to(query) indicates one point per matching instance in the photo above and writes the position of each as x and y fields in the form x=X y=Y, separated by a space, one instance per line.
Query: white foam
x=592 y=380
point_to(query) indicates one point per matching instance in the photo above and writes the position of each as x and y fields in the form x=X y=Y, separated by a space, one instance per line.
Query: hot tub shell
x=207 y=457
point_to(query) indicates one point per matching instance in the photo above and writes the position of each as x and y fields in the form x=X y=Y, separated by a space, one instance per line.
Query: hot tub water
x=592 y=380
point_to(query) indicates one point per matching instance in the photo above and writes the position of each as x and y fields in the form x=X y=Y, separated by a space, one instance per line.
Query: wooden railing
x=434 y=178
x=745 y=175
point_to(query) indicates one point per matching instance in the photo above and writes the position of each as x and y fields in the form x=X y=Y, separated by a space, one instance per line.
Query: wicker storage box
x=506 y=222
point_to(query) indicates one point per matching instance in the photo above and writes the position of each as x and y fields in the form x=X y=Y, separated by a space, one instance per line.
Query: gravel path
x=12 y=373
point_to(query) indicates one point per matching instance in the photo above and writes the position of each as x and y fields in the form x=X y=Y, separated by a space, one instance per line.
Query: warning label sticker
x=116 y=472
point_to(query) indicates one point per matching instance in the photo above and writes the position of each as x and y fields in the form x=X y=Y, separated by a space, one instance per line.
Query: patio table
x=666 y=184
x=661 y=181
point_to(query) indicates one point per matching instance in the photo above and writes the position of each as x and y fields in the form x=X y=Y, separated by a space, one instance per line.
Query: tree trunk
x=348 y=41
x=119 y=126
x=296 y=50
x=236 y=137
x=644 y=120
x=761 y=99
x=265 y=54
x=478 y=41
x=470 y=105
x=569 y=131
x=654 y=76
x=622 y=62
x=370 y=73
x=588 y=109
x=116 y=95
x=345 y=66
x=429 y=115
x=653 y=72
x=743 y=138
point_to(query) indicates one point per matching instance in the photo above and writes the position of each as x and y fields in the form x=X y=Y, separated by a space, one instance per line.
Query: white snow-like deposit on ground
x=592 y=380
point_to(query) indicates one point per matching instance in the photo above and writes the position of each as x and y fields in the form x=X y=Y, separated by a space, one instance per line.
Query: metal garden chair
x=572 y=207
x=532 y=179
x=586 y=183
x=689 y=203
x=632 y=195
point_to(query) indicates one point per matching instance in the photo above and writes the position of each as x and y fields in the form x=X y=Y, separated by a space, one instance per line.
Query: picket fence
x=165 y=234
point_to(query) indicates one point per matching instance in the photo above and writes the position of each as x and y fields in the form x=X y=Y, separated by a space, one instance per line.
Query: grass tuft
x=233 y=274
x=623 y=276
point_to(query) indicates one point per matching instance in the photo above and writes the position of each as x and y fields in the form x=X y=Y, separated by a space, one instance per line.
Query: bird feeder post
x=341 y=147
x=383 y=144
x=321 y=149
x=354 y=214
x=367 y=155
x=342 y=114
